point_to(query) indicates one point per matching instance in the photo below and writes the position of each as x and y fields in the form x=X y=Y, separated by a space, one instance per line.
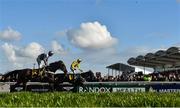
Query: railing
x=134 y=86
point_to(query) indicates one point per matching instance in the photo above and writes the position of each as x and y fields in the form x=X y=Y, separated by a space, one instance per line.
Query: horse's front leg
x=51 y=82
x=24 y=86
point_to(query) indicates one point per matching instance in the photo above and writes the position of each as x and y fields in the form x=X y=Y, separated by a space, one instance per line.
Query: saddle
x=38 y=72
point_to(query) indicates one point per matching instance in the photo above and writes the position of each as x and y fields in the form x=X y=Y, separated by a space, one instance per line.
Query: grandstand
x=165 y=59
x=164 y=62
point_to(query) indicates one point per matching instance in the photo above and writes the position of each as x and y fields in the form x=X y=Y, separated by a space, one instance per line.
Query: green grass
x=62 y=99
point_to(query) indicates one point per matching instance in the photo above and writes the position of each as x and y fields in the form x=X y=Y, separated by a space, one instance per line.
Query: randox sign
x=94 y=89
x=111 y=89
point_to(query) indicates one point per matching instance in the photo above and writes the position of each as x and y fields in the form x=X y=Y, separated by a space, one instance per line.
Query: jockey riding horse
x=24 y=75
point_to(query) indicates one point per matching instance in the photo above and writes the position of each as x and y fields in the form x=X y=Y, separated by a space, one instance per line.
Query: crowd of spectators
x=173 y=75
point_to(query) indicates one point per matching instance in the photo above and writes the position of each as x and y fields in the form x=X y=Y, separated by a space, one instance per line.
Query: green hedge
x=62 y=99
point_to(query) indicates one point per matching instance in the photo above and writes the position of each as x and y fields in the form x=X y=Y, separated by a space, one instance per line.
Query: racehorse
x=85 y=76
x=88 y=76
x=24 y=75
x=74 y=79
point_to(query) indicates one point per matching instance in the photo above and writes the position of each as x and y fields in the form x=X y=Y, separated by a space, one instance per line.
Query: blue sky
x=135 y=27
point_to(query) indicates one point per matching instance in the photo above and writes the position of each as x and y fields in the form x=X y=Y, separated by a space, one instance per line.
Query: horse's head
x=89 y=76
x=11 y=75
x=57 y=65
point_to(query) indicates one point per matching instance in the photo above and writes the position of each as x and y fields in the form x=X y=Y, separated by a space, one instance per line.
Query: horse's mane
x=89 y=72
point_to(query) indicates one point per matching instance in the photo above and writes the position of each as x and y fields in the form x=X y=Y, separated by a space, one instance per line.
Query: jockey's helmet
x=79 y=60
x=50 y=53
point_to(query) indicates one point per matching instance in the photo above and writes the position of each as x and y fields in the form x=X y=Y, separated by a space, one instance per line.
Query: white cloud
x=10 y=35
x=32 y=50
x=21 y=57
x=91 y=35
x=9 y=51
x=57 y=48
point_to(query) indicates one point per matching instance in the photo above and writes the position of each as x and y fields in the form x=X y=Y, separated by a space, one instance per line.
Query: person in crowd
x=147 y=78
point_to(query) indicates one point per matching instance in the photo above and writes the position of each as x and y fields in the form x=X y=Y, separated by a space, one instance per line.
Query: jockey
x=76 y=65
x=44 y=57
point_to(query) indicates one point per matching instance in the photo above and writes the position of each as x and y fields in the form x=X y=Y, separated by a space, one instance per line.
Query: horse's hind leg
x=18 y=84
x=51 y=86
x=15 y=85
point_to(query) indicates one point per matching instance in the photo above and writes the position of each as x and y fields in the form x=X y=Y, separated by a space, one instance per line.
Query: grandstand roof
x=161 y=58
x=121 y=67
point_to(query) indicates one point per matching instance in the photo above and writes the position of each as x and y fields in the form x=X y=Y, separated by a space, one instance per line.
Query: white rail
x=135 y=82
x=128 y=82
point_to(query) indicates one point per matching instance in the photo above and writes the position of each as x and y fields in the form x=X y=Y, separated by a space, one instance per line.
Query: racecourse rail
x=131 y=86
